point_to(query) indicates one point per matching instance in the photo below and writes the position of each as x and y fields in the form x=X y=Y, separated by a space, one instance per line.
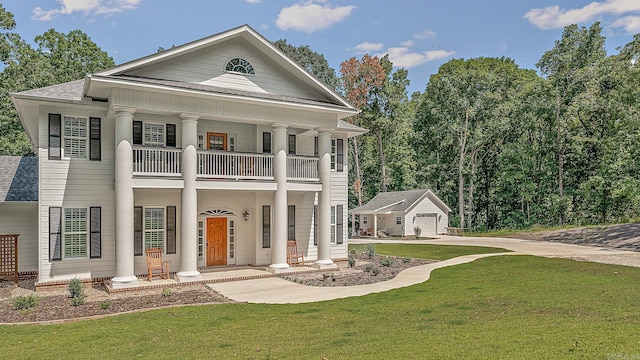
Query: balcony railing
x=302 y=168
x=156 y=162
x=163 y=162
x=233 y=165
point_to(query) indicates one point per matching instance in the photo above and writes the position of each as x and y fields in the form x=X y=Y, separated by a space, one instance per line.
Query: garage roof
x=18 y=178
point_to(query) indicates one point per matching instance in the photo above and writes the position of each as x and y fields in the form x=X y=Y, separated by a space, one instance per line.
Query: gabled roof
x=399 y=201
x=248 y=34
x=66 y=91
x=18 y=178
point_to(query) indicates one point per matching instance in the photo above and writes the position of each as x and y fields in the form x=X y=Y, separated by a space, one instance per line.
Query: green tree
x=315 y=63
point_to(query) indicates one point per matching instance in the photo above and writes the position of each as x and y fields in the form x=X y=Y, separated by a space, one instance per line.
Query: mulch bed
x=363 y=273
x=56 y=305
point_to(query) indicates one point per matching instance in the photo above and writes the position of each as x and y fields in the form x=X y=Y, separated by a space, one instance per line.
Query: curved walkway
x=280 y=291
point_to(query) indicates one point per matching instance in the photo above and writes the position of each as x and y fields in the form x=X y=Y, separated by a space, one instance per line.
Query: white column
x=353 y=225
x=189 y=206
x=324 y=201
x=375 y=225
x=125 y=271
x=279 y=243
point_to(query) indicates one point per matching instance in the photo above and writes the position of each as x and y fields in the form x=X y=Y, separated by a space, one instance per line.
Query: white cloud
x=311 y=16
x=94 y=7
x=403 y=57
x=408 y=43
x=553 y=17
x=425 y=34
x=631 y=24
x=366 y=47
x=252 y=1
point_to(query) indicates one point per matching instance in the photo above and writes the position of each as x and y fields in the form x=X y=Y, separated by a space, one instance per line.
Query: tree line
x=504 y=147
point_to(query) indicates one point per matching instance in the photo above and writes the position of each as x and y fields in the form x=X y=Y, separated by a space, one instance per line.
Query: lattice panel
x=9 y=257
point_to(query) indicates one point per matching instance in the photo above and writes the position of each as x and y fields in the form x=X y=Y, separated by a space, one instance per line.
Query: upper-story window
x=154 y=134
x=75 y=137
x=240 y=65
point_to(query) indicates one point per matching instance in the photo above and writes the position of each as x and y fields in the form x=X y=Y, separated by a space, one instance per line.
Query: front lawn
x=502 y=307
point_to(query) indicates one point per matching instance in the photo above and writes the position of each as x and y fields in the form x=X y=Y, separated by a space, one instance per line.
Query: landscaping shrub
x=417 y=231
x=352 y=261
x=368 y=268
x=371 y=251
x=25 y=302
x=375 y=271
x=166 y=292
x=76 y=289
x=105 y=305
x=387 y=262
x=406 y=260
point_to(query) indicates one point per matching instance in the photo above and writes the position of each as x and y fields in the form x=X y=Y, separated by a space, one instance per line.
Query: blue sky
x=418 y=35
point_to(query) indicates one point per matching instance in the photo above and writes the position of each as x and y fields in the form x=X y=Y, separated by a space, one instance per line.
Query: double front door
x=216 y=241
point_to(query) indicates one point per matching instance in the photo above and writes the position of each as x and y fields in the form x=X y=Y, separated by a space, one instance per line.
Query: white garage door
x=427 y=223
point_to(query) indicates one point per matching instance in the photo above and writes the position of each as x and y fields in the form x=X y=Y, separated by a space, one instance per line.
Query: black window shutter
x=55 y=137
x=171 y=135
x=138 y=246
x=55 y=233
x=95 y=221
x=339 y=224
x=292 y=144
x=340 y=154
x=137 y=133
x=291 y=220
x=94 y=139
x=315 y=225
x=171 y=229
x=315 y=146
x=266 y=142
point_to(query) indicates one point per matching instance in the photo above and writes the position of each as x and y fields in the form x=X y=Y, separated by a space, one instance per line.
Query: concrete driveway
x=279 y=291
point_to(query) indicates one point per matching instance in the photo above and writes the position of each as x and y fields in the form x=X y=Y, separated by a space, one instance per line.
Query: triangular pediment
x=208 y=62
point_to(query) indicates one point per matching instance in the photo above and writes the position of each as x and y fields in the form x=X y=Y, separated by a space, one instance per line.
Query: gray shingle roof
x=18 y=178
x=385 y=199
x=65 y=91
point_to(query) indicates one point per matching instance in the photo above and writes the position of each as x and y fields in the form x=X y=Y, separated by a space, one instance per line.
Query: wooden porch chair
x=294 y=257
x=156 y=265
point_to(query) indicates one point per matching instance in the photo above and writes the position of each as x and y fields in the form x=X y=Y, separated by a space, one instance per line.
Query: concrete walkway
x=279 y=291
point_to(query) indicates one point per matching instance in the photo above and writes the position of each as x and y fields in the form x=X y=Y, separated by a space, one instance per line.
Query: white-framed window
x=240 y=65
x=154 y=134
x=232 y=239
x=154 y=227
x=333 y=224
x=365 y=220
x=75 y=137
x=75 y=233
x=333 y=154
x=231 y=146
x=398 y=220
x=200 y=239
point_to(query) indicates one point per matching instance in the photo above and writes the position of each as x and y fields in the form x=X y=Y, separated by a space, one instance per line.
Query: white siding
x=22 y=219
x=207 y=66
x=426 y=206
x=82 y=183
x=339 y=193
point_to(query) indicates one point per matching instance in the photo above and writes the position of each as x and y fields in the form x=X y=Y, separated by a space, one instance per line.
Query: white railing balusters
x=234 y=165
x=302 y=168
x=156 y=161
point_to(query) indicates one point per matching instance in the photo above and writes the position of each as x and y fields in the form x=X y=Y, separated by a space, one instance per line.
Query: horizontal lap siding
x=207 y=66
x=22 y=219
x=339 y=188
x=426 y=206
x=71 y=183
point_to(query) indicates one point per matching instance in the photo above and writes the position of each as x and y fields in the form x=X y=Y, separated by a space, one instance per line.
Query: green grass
x=505 y=307
x=433 y=252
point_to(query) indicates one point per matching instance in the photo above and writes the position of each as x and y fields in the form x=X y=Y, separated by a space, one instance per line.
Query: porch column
x=375 y=225
x=324 y=201
x=125 y=271
x=279 y=245
x=189 y=206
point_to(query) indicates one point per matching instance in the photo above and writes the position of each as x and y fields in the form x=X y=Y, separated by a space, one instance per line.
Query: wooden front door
x=216 y=241
x=216 y=141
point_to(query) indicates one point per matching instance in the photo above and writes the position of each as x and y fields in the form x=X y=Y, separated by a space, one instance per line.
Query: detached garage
x=19 y=207
x=399 y=213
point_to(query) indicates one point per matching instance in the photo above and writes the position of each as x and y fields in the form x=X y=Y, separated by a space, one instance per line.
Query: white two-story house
x=217 y=151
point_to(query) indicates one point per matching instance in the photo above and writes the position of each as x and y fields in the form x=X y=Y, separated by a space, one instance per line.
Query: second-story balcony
x=222 y=165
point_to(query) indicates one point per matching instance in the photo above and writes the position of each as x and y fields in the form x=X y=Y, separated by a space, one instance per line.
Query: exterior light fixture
x=245 y=215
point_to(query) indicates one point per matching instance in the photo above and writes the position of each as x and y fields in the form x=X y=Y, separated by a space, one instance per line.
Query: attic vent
x=240 y=65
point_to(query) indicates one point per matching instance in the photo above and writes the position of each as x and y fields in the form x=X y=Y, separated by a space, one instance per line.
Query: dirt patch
x=366 y=271
x=623 y=236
